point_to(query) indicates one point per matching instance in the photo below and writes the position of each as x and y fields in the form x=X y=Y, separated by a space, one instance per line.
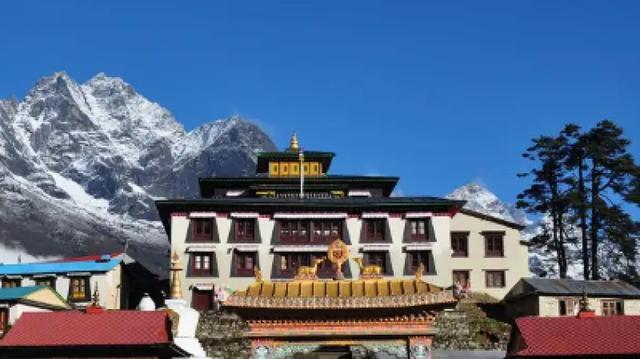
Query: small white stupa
x=146 y=304
x=185 y=336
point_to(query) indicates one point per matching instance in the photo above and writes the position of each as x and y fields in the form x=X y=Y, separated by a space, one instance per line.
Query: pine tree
x=547 y=194
x=612 y=172
x=579 y=200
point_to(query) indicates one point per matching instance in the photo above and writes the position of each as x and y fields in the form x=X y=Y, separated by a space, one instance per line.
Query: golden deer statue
x=368 y=270
x=309 y=272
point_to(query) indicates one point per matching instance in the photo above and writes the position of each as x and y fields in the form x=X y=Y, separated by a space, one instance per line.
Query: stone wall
x=223 y=335
x=469 y=328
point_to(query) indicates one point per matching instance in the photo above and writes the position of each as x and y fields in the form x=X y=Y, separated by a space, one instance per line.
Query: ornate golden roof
x=319 y=294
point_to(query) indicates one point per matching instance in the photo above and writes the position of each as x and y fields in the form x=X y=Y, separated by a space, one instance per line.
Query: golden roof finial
x=176 y=288
x=293 y=144
x=96 y=297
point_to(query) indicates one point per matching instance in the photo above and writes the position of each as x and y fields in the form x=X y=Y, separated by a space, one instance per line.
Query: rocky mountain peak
x=86 y=162
x=481 y=199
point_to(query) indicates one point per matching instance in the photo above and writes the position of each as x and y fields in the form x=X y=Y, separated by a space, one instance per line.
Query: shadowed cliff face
x=81 y=164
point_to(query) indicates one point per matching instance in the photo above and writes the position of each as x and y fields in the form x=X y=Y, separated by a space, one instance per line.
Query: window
x=305 y=231
x=294 y=231
x=612 y=307
x=493 y=244
x=418 y=230
x=567 y=306
x=461 y=278
x=202 y=300
x=378 y=259
x=202 y=229
x=374 y=230
x=325 y=231
x=244 y=262
x=495 y=278
x=79 y=289
x=201 y=264
x=288 y=263
x=11 y=283
x=48 y=282
x=417 y=257
x=4 y=320
x=245 y=230
x=460 y=244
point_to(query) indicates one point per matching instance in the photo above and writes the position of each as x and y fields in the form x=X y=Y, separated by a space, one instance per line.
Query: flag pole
x=301 y=158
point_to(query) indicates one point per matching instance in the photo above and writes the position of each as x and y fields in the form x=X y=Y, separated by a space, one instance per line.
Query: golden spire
x=96 y=297
x=176 y=288
x=293 y=144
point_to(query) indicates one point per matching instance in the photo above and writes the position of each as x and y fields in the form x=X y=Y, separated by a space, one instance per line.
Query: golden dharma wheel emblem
x=338 y=253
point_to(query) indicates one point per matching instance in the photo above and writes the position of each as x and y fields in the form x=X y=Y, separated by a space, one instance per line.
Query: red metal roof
x=86 y=258
x=75 y=328
x=564 y=336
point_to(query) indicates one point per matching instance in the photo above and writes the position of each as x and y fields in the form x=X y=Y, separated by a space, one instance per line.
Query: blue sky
x=438 y=93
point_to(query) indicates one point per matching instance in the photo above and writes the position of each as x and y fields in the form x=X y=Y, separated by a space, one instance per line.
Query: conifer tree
x=612 y=172
x=547 y=194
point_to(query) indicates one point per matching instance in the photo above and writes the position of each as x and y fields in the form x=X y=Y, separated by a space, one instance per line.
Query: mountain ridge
x=85 y=162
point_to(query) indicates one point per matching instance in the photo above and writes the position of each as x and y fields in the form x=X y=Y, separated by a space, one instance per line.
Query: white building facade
x=261 y=221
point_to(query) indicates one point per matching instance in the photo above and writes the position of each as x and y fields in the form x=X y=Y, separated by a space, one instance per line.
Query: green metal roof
x=18 y=292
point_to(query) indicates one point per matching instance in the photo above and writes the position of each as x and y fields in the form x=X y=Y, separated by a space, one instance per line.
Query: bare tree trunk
x=582 y=213
x=595 y=218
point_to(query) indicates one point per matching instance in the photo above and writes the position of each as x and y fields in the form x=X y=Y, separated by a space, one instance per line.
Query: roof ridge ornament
x=293 y=143
x=176 y=288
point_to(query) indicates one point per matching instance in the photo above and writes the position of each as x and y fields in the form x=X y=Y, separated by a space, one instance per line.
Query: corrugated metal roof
x=18 y=292
x=62 y=267
x=593 y=288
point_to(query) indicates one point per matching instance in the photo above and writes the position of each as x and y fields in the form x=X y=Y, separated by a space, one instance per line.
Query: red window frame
x=375 y=230
x=325 y=231
x=495 y=278
x=245 y=262
x=294 y=231
x=288 y=263
x=464 y=276
x=494 y=244
x=202 y=229
x=245 y=229
x=378 y=258
x=418 y=229
x=417 y=257
x=201 y=264
x=460 y=244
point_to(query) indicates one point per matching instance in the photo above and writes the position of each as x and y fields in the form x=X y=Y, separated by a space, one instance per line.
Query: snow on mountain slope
x=81 y=164
x=541 y=263
x=480 y=199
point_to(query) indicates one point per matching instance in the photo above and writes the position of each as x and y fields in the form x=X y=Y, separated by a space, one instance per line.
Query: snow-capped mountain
x=480 y=199
x=80 y=165
x=541 y=263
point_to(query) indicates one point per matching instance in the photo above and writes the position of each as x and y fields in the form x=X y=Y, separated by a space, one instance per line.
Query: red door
x=202 y=300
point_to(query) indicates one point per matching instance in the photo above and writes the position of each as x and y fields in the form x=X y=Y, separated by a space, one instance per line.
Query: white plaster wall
x=439 y=229
x=16 y=311
x=515 y=262
x=550 y=307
